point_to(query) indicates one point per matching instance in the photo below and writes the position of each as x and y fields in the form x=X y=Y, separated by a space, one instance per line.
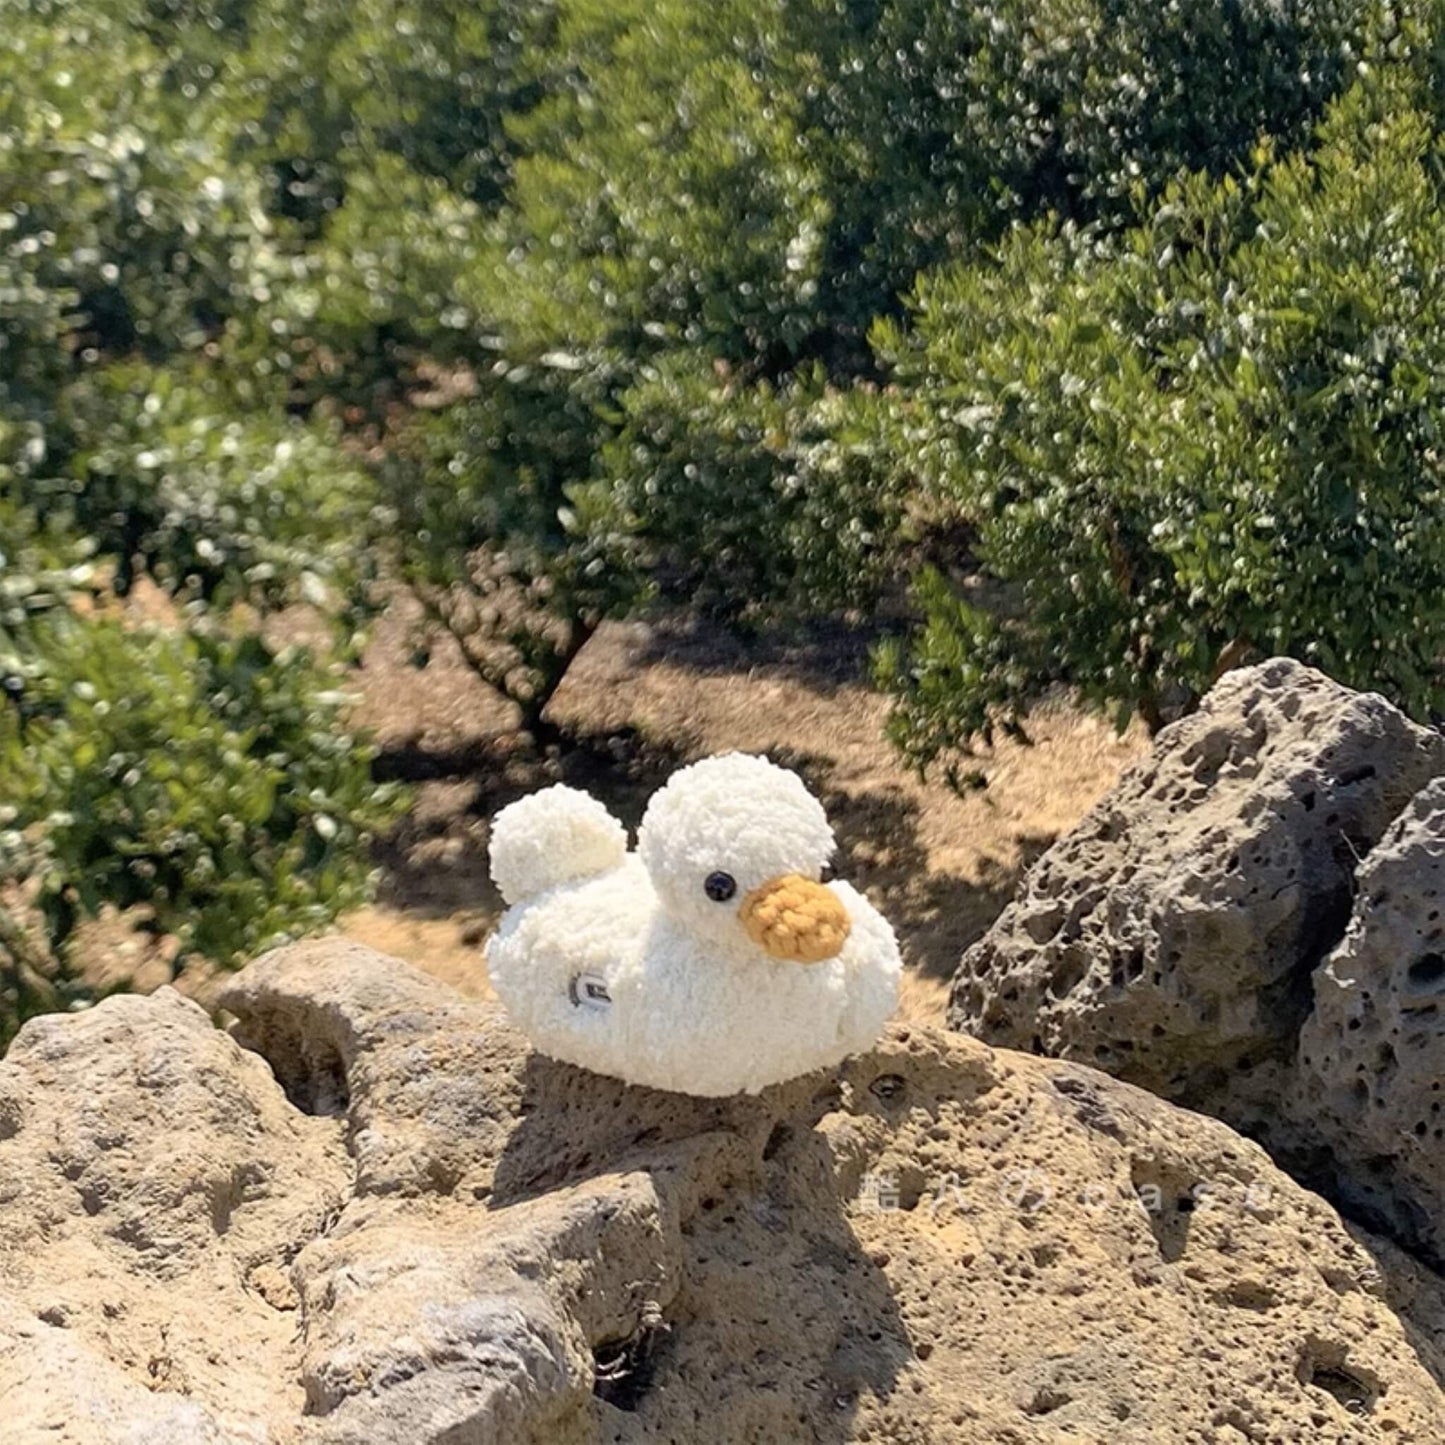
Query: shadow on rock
x=779 y=1319
x=1414 y=1291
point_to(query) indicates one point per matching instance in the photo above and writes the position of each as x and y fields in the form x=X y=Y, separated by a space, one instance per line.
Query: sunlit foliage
x=182 y=766
x=1212 y=438
x=550 y=308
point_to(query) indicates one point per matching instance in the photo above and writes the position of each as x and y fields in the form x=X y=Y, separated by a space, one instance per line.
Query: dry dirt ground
x=648 y=697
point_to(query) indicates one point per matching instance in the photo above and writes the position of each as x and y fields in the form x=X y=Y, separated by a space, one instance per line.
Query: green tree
x=190 y=768
x=706 y=203
x=502 y=533
x=194 y=770
x=757 y=501
x=1214 y=437
x=941 y=123
x=592 y=213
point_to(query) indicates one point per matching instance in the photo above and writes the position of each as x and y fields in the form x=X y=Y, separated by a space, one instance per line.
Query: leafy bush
x=194 y=771
x=948 y=120
x=207 y=777
x=618 y=196
x=210 y=493
x=760 y=178
x=190 y=769
x=1212 y=438
x=118 y=192
x=330 y=88
x=706 y=202
x=666 y=192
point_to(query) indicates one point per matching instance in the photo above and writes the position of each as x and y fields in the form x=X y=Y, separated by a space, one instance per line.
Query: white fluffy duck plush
x=712 y=960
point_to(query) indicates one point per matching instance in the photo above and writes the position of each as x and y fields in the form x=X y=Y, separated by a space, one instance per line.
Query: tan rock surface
x=152 y=1177
x=939 y=1242
x=53 y=1388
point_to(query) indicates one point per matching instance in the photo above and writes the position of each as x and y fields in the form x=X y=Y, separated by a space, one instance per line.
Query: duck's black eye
x=720 y=886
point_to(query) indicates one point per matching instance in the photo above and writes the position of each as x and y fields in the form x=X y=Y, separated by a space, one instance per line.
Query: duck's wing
x=557 y=962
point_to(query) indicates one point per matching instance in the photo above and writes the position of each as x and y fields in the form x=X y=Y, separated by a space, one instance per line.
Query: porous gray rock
x=1369 y=1105
x=1171 y=937
x=448 y=1240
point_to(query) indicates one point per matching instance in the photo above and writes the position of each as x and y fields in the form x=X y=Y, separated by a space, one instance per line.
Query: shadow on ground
x=823 y=656
x=434 y=862
x=936 y=915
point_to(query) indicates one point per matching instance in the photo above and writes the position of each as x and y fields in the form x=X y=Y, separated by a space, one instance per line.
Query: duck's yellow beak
x=793 y=918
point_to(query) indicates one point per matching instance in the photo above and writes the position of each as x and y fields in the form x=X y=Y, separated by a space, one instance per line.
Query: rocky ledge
x=369 y=1214
x=1253 y=924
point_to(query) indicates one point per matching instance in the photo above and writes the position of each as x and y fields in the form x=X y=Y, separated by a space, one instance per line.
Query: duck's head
x=735 y=847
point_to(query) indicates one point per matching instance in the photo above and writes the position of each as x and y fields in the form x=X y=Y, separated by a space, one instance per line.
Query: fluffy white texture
x=556 y=836
x=735 y=814
x=695 y=1006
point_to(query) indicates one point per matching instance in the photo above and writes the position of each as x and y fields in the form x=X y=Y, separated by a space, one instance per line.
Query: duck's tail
x=558 y=835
